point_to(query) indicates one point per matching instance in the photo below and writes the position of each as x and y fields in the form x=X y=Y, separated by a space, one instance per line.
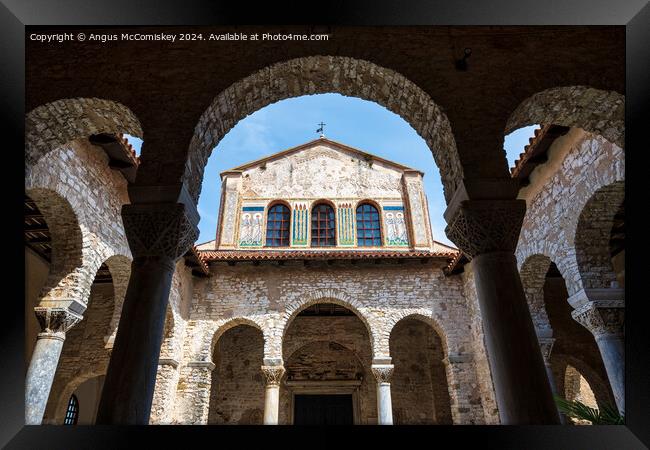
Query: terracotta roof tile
x=270 y=255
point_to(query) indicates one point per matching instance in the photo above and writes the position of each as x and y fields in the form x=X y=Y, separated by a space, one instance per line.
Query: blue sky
x=352 y=121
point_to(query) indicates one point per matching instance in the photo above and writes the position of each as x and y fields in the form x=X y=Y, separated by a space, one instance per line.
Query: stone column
x=54 y=322
x=273 y=375
x=605 y=320
x=487 y=230
x=383 y=373
x=158 y=234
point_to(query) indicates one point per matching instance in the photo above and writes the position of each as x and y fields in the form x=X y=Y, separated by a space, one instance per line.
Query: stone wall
x=81 y=199
x=269 y=297
x=580 y=164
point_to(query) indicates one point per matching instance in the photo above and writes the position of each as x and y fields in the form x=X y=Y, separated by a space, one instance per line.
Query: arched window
x=322 y=226
x=277 y=226
x=72 y=414
x=368 y=228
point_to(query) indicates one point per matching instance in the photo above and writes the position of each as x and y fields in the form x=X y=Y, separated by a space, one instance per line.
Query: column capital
x=55 y=322
x=273 y=374
x=486 y=225
x=159 y=229
x=602 y=318
x=383 y=372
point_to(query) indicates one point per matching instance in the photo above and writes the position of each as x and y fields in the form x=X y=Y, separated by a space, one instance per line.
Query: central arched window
x=322 y=226
x=72 y=414
x=277 y=226
x=368 y=227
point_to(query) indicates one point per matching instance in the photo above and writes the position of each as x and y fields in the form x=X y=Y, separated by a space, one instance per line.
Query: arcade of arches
x=143 y=326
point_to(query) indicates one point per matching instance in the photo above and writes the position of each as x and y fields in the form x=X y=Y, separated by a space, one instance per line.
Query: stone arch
x=62 y=402
x=319 y=75
x=592 y=235
x=594 y=110
x=533 y=276
x=598 y=385
x=234 y=322
x=54 y=124
x=325 y=296
x=423 y=379
x=364 y=365
x=421 y=315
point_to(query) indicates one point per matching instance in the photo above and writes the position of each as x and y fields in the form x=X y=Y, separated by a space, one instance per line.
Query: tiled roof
x=128 y=149
x=270 y=255
x=456 y=264
x=196 y=258
x=535 y=152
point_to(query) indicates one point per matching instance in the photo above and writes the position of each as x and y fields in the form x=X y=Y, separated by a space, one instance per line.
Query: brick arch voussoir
x=594 y=110
x=598 y=385
x=54 y=124
x=325 y=74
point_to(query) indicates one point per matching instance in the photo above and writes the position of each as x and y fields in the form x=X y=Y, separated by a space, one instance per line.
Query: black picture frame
x=634 y=15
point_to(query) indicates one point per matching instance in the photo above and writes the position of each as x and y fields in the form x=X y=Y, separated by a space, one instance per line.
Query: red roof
x=270 y=255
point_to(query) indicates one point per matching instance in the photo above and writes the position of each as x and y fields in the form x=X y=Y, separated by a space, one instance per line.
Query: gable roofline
x=300 y=147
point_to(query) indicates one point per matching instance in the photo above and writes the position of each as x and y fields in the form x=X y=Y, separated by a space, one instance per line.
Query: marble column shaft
x=383 y=373
x=273 y=375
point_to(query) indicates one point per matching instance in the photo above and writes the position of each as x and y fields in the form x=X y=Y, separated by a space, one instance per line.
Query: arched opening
x=419 y=388
x=600 y=237
x=237 y=389
x=83 y=403
x=323 y=225
x=571 y=338
x=368 y=225
x=327 y=355
x=577 y=388
x=85 y=354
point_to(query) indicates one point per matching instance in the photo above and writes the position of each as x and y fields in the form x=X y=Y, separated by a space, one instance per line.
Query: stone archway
x=237 y=383
x=54 y=124
x=594 y=110
x=420 y=390
x=593 y=234
x=327 y=352
x=318 y=75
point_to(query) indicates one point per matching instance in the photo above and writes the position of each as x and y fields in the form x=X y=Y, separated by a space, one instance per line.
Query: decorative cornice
x=168 y=362
x=55 y=322
x=273 y=374
x=383 y=372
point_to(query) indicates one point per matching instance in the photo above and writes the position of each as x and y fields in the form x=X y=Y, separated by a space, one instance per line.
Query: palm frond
x=607 y=415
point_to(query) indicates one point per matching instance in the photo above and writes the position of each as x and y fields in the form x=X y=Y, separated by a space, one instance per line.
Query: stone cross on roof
x=321 y=129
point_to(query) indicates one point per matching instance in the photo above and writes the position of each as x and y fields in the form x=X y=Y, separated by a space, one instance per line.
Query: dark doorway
x=323 y=410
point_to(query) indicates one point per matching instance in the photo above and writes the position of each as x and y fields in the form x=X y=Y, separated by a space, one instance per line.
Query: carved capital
x=484 y=226
x=55 y=322
x=383 y=372
x=159 y=229
x=602 y=318
x=546 y=346
x=273 y=374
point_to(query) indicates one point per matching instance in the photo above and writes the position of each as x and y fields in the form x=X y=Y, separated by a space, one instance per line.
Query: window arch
x=72 y=414
x=368 y=226
x=323 y=226
x=278 y=223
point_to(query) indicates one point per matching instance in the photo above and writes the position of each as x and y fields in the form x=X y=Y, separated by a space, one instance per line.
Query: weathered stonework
x=348 y=76
x=593 y=110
